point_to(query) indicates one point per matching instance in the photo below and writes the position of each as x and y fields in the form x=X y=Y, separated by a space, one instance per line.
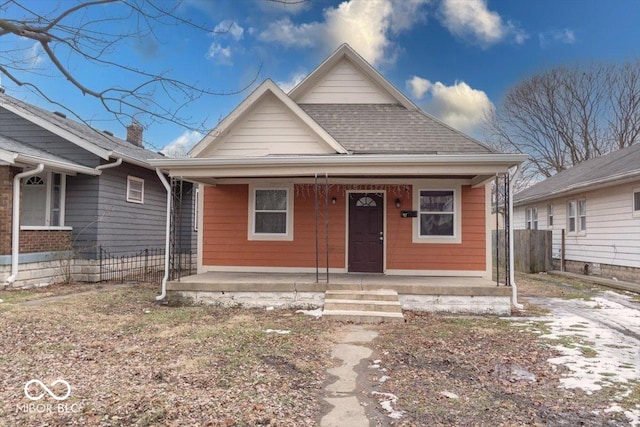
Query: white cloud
x=418 y=86
x=180 y=146
x=565 y=36
x=292 y=82
x=229 y=28
x=365 y=24
x=34 y=55
x=218 y=53
x=473 y=21
x=459 y=105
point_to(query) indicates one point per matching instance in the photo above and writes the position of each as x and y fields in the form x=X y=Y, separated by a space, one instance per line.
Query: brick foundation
x=608 y=271
x=44 y=240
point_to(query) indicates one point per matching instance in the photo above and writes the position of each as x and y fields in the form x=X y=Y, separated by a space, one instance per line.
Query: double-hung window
x=550 y=216
x=271 y=213
x=531 y=218
x=135 y=189
x=577 y=216
x=438 y=219
x=636 y=202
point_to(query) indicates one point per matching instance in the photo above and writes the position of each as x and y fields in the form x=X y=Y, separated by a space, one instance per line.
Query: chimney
x=134 y=133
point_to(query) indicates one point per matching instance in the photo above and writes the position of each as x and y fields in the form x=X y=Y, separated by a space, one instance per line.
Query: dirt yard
x=130 y=361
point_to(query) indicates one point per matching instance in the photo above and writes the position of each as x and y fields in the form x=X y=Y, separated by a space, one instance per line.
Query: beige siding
x=613 y=232
x=345 y=84
x=268 y=128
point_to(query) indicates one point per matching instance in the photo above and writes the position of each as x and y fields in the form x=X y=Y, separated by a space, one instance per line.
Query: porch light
x=333 y=200
x=398 y=203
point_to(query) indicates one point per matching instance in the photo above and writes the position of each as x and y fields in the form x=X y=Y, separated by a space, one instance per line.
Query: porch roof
x=479 y=167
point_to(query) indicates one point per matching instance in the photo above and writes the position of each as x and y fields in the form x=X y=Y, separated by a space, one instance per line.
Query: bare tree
x=566 y=115
x=94 y=33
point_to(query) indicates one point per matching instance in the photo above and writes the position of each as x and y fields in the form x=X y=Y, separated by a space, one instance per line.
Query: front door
x=366 y=239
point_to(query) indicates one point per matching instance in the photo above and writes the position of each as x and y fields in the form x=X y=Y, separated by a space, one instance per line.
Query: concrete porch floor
x=306 y=282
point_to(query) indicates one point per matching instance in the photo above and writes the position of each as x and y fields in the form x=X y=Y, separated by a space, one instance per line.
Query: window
x=531 y=218
x=577 y=216
x=43 y=203
x=571 y=216
x=135 y=189
x=271 y=216
x=636 y=202
x=437 y=213
x=550 y=216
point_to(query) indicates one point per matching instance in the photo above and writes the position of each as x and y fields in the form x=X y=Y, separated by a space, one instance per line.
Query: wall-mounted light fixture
x=398 y=203
x=333 y=200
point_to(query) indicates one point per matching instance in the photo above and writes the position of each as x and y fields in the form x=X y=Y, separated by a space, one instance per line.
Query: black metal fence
x=143 y=266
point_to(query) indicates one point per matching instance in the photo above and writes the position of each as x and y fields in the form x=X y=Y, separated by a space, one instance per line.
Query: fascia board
x=45 y=124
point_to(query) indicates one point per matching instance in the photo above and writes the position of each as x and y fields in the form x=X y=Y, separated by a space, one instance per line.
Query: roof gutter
x=109 y=165
x=58 y=165
x=15 y=224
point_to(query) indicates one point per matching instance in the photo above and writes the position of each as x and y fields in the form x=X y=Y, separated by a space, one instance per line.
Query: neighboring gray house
x=87 y=190
x=597 y=205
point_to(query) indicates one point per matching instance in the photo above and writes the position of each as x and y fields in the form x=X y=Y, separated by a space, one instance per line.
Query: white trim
x=457 y=215
x=47 y=199
x=288 y=235
x=131 y=178
x=196 y=204
x=267 y=86
x=45 y=227
x=384 y=226
x=447 y=273
x=199 y=235
x=63 y=199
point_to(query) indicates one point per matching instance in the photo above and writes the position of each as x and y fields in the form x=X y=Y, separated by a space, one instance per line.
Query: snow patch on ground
x=277 y=331
x=387 y=402
x=317 y=313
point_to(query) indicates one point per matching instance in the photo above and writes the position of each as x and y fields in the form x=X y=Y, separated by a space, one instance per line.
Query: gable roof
x=14 y=152
x=345 y=51
x=84 y=136
x=388 y=128
x=267 y=87
x=613 y=168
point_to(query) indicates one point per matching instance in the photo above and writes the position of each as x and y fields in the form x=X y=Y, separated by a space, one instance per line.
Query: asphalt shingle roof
x=593 y=171
x=390 y=128
x=86 y=132
x=11 y=145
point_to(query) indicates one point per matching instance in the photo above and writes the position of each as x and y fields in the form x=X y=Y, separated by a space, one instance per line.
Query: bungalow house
x=596 y=207
x=342 y=183
x=71 y=194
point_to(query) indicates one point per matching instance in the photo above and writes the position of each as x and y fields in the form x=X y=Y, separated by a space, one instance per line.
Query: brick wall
x=44 y=240
x=6 y=205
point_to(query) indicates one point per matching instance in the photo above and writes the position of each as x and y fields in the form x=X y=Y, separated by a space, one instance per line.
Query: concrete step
x=363 y=305
x=362 y=316
x=374 y=295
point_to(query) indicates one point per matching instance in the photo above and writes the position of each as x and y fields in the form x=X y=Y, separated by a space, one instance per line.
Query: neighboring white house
x=597 y=204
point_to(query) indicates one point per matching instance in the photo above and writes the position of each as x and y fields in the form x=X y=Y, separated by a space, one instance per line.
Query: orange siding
x=403 y=254
x=225 y=229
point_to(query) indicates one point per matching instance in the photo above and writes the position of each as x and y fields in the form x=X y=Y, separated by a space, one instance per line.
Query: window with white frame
x=531 y=218
x=135 y=189
x=271 y=213
x=636 y=202
x=577 y=216
x=43 y=200
x=550 y=215
x=437 y=213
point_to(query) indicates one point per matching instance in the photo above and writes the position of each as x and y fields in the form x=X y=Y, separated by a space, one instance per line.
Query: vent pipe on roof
x=59 y=114
x=134 y=133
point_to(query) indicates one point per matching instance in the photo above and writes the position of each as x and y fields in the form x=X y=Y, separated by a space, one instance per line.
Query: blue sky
x=454 y=58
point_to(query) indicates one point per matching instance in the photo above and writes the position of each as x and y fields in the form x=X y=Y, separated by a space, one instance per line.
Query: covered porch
x=456 y=294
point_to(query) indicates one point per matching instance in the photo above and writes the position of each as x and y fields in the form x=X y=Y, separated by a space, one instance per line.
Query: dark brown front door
x=366 y=240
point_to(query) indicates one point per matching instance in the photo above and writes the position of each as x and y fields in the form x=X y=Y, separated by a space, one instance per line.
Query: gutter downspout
x=512 y=274
x=15 y=224
x=109 y=165
x=167 y=235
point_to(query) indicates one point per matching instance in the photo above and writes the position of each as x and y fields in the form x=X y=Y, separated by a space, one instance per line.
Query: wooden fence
x=532 y=250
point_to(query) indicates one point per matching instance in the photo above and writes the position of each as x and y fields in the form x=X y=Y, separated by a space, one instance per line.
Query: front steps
x=373 y=306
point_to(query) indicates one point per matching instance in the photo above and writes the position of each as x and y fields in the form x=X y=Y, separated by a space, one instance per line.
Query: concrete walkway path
x=342 y=394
